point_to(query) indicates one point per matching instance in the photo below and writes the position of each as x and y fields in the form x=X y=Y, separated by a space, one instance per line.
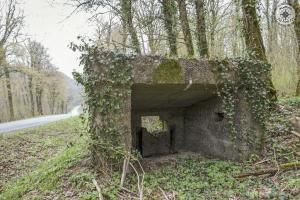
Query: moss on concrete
x=169 y=71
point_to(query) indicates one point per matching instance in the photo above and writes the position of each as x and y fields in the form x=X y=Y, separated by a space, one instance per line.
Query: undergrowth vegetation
x=66 y=174
x=198 y=178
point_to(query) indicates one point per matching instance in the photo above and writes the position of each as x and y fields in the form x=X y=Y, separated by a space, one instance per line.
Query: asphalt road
x=33 y=122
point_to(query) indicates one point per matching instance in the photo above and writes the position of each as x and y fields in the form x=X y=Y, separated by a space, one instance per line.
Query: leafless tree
x=11 y=22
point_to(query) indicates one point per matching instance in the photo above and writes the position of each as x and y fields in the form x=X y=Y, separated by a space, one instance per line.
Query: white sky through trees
x=46 y=22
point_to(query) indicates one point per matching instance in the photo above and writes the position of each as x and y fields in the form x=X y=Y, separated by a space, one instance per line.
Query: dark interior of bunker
x=192 y=116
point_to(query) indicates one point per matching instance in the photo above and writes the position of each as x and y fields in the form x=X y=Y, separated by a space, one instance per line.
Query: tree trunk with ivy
x=296 y=6
x=185 y=27
x=254 y=41
x=201 y=29
x=126 y=7
x=169 y=12
x=252 y=34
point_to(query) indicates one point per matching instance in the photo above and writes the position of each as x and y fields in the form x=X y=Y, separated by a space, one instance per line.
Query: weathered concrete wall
x=164 y=96
x=250 y=136
x=158 y=144
x=205 y=130
x=159 y=70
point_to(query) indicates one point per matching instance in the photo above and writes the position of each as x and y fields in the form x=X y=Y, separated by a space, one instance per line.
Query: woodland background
x=212 y=29
x=30 y=85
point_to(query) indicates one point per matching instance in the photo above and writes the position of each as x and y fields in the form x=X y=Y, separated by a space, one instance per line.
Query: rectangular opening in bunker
x=154 y=137
x=169 y=118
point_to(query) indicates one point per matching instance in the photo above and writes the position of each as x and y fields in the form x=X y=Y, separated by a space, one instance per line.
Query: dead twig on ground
x=164 y=193
x=296 y=134
x=125 y=168
x=98 y=189
x=282 y=167
x=140 y=181
x=127 y=190
x=262 y=161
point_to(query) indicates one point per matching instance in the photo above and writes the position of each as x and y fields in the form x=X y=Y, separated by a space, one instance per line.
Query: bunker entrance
x=169 y=118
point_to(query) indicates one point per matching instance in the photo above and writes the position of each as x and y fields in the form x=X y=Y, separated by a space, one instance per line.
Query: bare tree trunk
x=254 y=41
x=201 y=29
x=268 y=20
x=140 y=32
x=185 y=27
x=13 y=20
x=151 y=43
x=126 y=6
x=124 y=38
x=236 y=35
x=169 y=11
x=3 y=65
x=296 y=6
x=30 y=86
x=39 y=92
x=212 y=43
x=62 y=107
x=143 y=42
x=272 y=32
x=52 y=106
x=109 y=31
x=9 y=94
x=151 y=39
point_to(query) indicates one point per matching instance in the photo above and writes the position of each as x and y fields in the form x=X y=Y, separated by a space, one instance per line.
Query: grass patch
x=46 y=177
x=290 y=101
x=35 y=161
x=23 y=151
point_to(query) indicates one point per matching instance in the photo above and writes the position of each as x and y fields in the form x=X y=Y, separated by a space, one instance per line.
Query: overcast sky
x=47 y=23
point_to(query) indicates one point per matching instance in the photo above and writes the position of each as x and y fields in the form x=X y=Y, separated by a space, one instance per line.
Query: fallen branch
x=164 y=193
x=127 y=194
x=296 y=133
x=260 y=162
x=282 y=167
x=98 y=189
x=140 y=183
x=128 y=191
x=124 y=171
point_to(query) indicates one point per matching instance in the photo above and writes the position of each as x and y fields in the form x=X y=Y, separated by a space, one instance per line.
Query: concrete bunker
x=183 y=94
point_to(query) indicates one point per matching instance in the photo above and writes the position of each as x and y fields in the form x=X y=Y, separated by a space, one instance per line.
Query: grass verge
x=55 y=149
